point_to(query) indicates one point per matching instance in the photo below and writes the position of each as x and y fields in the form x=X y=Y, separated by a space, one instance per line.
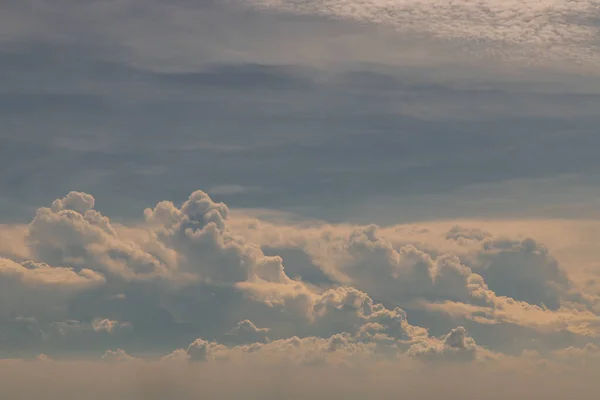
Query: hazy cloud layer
x=124 y=377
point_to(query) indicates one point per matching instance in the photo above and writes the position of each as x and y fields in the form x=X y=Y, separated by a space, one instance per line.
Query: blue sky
x=398 y=190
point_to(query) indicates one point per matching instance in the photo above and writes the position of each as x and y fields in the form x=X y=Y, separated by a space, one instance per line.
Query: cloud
x=182 y=255
x=76 y=201
x=307 y=351
x=206 y=247
x=524 y=270
x=201 y=350
x=520 y=377
x=109 y=326
x=62 y=235
x=505 y=310
x=12 y=242
x=455 y=346
x=117 y=356
x=560 y=28
x=194 y=270
x=500 y=279
x=350 y=310
x=37 y=289
x=246 y=332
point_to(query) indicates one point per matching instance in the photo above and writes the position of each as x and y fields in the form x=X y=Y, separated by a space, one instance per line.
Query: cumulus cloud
x=193 y=273
x=524 y=270
x=454 y=346
x=457 y=268
x=246 y=332
x=72 y=233
x=371 y=262
x=308 y=351
x=205 y=246
x=346 y=309
x=75 y=201
x=117 y=356
x=181 y=252
x=201 y=350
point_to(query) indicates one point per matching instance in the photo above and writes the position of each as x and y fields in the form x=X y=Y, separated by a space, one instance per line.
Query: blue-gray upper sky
x=370 y=112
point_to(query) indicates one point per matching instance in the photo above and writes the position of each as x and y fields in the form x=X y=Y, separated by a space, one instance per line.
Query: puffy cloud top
x=75 y=201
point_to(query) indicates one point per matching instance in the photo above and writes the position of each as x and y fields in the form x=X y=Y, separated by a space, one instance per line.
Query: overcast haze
x=355 y=198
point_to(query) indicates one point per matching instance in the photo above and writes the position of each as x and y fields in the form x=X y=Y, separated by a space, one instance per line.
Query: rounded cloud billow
x=193 y=283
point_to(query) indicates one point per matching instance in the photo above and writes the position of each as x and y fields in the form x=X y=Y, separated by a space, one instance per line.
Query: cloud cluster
x=492 y=281
x=194 y=278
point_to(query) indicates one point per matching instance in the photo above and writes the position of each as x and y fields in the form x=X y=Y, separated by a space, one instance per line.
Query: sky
x=370 y=196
